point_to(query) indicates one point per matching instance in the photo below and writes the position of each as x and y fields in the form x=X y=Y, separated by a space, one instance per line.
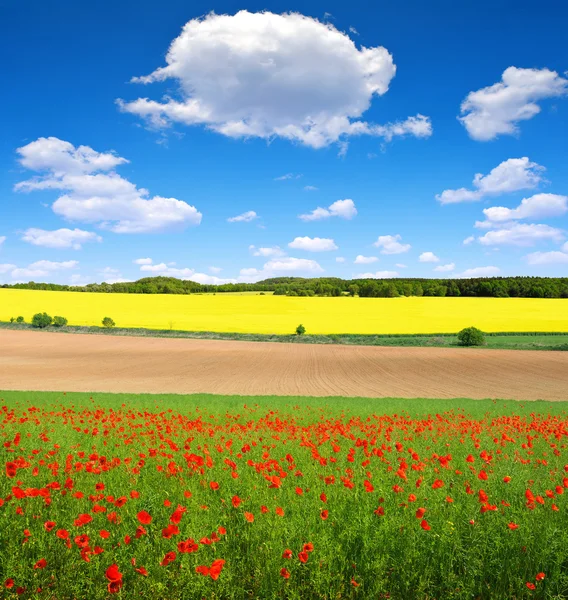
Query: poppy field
x=231 y=497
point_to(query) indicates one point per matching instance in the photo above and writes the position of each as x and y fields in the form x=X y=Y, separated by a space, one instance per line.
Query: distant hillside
x=499 y=287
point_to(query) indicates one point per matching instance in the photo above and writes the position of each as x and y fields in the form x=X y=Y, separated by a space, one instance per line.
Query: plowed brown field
x=91 y=363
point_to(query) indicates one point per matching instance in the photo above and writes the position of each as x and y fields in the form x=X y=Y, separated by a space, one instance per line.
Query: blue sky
x=278 y=114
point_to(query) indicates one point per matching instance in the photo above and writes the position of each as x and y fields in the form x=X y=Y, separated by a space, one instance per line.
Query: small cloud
x=215 y=270
x=377 y=275
x=339 y=259
x=445 y=268
x=313 y=244
x=365 y=260
x=345 y=209
x=469 y=240
x=480 y=272
x=310 y=188
x=267 y=252
x=401 y=266
x=428 y=257
x=245 y=217
x=353 y=30
x=142 y=261
x=390 y=244
x=288 y=176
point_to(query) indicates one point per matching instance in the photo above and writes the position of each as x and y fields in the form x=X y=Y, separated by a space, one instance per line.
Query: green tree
x=41 y=320
x=471 y=336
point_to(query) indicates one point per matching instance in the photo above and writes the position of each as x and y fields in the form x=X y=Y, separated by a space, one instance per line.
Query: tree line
x=492 y=287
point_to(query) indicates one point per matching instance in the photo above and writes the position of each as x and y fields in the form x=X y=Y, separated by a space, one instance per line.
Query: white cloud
x=278 y=266
x=365 y=260
x=96 y=194
x=267 y=75
x=445 y=268
x=497 y=109
x=390 y=244
x=377 y=275
x=313 y=244
x=2 y=239
x=344 y=209
x=401 y=266
x=555 y=257
x=511 y=175
x=245 y=217
x=215 y=270
x=267 y=252
x=42 y=268
x=469 y=240
x=59 y=238
x=288 y=176
x=428 y=257
x=6 y=268
x=166 y=271
x=143 y=261
x=521 y=234
x=310 y=188
x=339 y=259
x=205 y=279
x=539 y=206
x=480 y=272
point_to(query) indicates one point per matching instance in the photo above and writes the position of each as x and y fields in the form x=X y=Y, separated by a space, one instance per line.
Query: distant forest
x=495 y=287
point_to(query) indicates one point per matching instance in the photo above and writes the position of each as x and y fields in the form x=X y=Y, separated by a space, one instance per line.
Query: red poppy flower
x=512 y=526
x=354 y=583
x=287 y=554
x=9 y=583
x=236 y=501
x=531 y=586
x=540 y=576
x=168 y=558
x=113 y=573
x=303 y=557
x=249 y=517
x=142 y=571
x=279 y=511
x=214 y=485
x=40 y=564
x=324 y=514
x=144 y=517
x=62 y=534
x=424 y=525
x=420 y=513
x=309 y=547
x=285 y=573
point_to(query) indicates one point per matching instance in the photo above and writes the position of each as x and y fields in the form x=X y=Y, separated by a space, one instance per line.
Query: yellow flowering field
x=281 y=314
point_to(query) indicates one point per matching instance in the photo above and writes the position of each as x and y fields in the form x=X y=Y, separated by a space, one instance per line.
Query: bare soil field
x=89 y=363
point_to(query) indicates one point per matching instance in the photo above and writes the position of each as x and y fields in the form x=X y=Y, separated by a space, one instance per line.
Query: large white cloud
x=265 y=75
x=42 y=268
x=150 y=269
x=59 y=238
x=539 y=206
x=555 y=257
x=521 y=234
x=391 y=244
x=497 y=109
x=94 y=193
x=511 y=175
x=313 y=244
x=344 y=209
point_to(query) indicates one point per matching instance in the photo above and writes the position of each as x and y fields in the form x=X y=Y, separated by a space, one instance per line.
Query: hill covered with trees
x=497 y=287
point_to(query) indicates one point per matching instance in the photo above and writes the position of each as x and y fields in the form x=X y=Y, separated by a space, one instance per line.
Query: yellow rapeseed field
x=280 y=314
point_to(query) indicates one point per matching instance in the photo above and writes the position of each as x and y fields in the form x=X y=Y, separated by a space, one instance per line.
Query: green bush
x=300 y=330
x=59 y=321
x=108 y=323
x=41 y=320
x=20 y=319
x=12 y=319
x=471 y=336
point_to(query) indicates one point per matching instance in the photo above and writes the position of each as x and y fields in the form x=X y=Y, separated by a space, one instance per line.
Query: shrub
x=471 y=336
x=108 y=323
x=41 y=320
x=300 y=330
x=59 y=321
x=20 y=319
x=12 y=319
